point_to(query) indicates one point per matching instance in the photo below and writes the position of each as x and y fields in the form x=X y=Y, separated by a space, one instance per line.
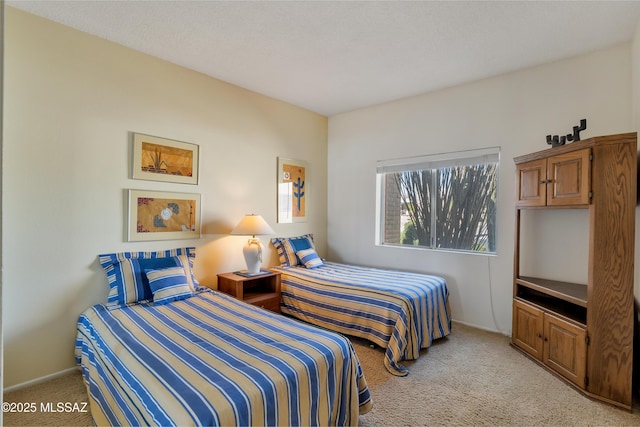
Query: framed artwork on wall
x=161 y=159
x=160 y=215
x=293 y=190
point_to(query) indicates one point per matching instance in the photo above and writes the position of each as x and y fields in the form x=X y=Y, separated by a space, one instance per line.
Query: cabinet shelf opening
x=562 y=308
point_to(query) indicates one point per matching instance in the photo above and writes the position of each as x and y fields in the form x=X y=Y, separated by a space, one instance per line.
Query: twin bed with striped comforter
x=400 y=311
x=212 y=360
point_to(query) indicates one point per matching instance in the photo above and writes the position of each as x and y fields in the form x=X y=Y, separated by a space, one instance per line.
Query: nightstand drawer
x=268 y=301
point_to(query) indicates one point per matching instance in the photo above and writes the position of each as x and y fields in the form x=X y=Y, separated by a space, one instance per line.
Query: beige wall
x=514 y=111
x=1 y=163
x=71 y=100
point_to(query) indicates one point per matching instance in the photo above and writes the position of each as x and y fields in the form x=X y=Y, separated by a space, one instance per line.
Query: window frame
x=433 y=162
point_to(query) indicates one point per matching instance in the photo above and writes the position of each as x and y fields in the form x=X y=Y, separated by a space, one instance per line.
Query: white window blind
x=437 y=161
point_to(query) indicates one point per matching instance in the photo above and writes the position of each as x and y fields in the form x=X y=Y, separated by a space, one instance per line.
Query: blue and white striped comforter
x=402 y=312
x=212 y=360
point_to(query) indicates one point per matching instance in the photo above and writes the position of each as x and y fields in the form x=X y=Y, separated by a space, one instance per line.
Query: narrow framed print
x=161 y=159
x=160 y=215
x=293 y=190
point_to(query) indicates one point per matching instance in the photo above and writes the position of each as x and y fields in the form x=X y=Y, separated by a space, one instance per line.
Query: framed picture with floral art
x=160 y=215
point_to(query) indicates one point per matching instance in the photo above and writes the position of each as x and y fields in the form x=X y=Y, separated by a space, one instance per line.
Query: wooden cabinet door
x=568 y=176
x=565 y=349
x=531 y=183
x=527 y=328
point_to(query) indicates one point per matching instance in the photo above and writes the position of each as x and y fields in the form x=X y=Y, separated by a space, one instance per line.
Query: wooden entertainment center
x=582 y=331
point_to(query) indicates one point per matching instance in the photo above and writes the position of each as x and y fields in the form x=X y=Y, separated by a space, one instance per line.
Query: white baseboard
x=40 y=380
x=471 y=325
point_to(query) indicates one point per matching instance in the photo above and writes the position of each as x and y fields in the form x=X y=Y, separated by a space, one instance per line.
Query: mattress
x=213 y=360
x=401 y=311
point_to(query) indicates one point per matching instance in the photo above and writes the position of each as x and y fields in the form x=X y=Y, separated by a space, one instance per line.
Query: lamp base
x=252 y=252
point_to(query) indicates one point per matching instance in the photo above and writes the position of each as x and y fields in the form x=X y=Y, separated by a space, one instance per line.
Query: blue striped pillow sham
x=128 y=283
x=288 y=246
x=168 y=284
x=309 y=258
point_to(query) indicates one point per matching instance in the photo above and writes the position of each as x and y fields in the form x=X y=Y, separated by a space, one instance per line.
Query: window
x=444 y=201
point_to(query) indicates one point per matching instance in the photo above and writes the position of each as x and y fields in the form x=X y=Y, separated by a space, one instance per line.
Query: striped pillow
x=128 y=282
x=168 y=284
x=309 y=258
x=288 y=246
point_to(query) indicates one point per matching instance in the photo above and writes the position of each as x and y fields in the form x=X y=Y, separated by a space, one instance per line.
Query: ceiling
x=336 y=56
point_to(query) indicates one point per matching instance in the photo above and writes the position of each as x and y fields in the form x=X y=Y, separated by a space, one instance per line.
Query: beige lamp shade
x=252 y=225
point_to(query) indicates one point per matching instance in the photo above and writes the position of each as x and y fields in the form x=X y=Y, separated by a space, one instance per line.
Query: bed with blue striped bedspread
x=213 y=360
x=400 y=311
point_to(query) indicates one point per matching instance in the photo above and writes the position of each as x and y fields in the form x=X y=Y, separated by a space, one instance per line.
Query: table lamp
x=252 y=225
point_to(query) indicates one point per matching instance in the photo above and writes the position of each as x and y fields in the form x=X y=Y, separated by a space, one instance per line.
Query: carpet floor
x=473 y=377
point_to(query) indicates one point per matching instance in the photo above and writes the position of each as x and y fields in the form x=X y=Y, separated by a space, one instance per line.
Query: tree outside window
x=441 y=203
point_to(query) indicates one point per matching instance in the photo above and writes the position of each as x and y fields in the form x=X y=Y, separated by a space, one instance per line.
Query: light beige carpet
x=471 y=378
x=475 y=377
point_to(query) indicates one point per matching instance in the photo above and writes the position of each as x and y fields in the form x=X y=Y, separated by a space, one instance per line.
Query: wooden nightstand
x=262 y=291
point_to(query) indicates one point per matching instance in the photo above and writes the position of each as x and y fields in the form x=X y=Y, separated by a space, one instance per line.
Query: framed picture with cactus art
x=293 y=190
x=160 y=215
x=161 y=159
